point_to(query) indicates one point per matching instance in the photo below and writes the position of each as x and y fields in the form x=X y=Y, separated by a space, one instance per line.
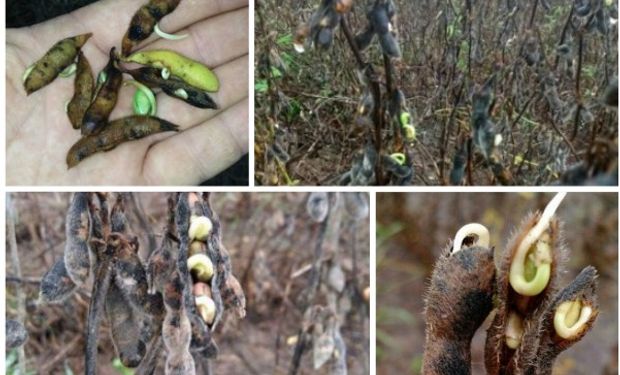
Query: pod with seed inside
x=199 y=228
x=197 y=247
x=191 y=71
x=201 y=267
x=60 y=56
x=514 y=330
x=124 y=328
x=206 y=308
x=83 y=88
x=117 y=132
x=56 y=284
x=97 y=114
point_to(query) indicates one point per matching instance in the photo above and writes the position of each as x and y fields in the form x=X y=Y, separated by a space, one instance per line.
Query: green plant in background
x=118 y=366
x=11 y=366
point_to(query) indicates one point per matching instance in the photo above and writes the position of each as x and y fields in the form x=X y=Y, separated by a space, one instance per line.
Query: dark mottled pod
x=144 y=21
x=176 y=328
x=56 y=284
x=317 y=206
x=233 y=296
x=60 y=56
x=173 y=86
x=97 y=114
x=130 y=278
x=83 y=88
x=78 y=231
x=16 y=334
x=125 y=328
x=458 y=301
x=117 y=132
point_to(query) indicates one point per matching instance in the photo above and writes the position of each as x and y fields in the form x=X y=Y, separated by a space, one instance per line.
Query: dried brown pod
x=59 y=57
x=83 y=89
x=176 y=328
x=233 y=296
x=125 y=328
x=173 y=86
x=96 y=116
x=117 y=132
x=458 y=301
x=144 y=20
x=78 y=230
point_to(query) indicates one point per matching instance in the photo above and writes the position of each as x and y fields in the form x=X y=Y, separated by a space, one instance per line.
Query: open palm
x=39 y=134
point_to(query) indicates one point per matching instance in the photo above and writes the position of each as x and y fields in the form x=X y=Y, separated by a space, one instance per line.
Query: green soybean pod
x=60 y=56
x=190 y=71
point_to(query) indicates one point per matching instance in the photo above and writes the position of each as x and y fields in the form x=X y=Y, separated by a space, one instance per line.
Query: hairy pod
x=144 y=20
x=173 y=86
x=60 y=56
x=83 y=89
x=125 y=328
x=78 y=231
x=541 y=341
x=160 y=265
x=117 y=132
x=118 y=219
x=96 y=116
x=458 y=301
x=233 y=296
x=517 y=292
x=176 y=328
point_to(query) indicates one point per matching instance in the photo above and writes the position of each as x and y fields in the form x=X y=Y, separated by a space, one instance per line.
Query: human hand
x=38 y=131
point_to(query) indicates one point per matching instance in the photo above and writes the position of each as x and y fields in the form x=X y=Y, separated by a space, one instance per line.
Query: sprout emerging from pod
x=530 y=270
x=27 y=72
x=399 y=158
x=201 y=266
x=68 y=71
x=165 y=35
x=514 y=330
x=199 y=228
x=206 y=308
x=571 y=319
x=479 y=230
x=410 y=133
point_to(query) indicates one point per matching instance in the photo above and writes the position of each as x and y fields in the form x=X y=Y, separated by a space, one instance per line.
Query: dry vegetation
x=272 y=241
x=534 y=73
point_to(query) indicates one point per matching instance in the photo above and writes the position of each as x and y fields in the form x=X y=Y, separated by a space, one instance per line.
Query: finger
x=233 y=78
x=200 y=153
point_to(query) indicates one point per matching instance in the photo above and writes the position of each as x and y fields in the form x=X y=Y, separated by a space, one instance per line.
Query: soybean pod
x=97 y=114
x=83 y=88
x=78 y=231
x=191 y=71
x=117 y=132
x=144 y=21
x=173 y=86
x=60 y=56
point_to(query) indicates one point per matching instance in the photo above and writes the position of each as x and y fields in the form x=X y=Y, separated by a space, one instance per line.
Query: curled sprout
x=181 y=93
x=530 y=270
x=479 y=230
x=69 y=71
x=165 y=35
x=144 y=101
x=27 y=72
x=514 y=330
x=570 y=318
x=399 y=158
x=102 y=77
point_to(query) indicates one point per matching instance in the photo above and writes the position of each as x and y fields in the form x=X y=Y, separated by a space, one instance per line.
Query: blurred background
x=413 y=229
x=271 y=240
